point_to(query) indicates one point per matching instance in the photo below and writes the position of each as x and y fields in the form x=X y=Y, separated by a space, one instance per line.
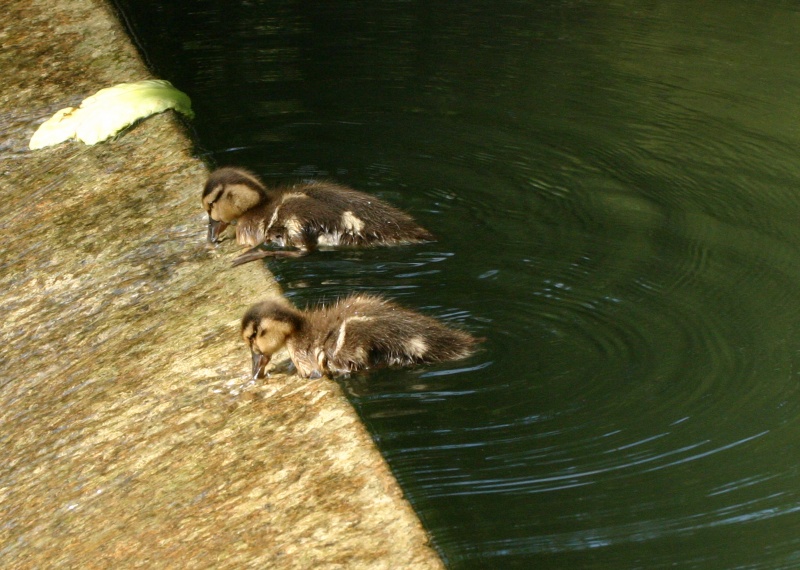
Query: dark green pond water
x=616 y=189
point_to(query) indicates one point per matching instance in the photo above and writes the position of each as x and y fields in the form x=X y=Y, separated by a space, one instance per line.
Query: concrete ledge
x=129 y=434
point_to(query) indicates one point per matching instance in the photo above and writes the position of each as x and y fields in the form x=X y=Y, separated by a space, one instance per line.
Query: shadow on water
x=615 y=192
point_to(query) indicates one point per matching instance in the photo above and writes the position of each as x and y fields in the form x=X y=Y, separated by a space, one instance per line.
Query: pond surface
x=616 y=189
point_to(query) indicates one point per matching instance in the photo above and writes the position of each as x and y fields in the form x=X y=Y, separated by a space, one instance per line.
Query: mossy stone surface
x=131 y=436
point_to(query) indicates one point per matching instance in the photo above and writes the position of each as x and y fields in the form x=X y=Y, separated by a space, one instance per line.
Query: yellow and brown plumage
x=302 y=216
x=352 y=334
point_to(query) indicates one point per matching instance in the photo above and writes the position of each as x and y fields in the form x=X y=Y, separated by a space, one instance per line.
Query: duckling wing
x=382 y=333
x=405 y=337
x=336 y=215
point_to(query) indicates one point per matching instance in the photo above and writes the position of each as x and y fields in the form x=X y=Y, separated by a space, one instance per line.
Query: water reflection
x=614 y=189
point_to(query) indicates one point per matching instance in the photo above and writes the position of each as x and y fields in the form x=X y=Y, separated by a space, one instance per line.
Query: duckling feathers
x=362 y=331
x=327 y=214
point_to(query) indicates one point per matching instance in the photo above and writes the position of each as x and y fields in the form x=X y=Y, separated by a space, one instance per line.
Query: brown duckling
x=301 y=217
x=354 y=333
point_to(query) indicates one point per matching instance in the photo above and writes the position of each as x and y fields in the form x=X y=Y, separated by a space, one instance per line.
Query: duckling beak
x=260 y=362
x=215 y=228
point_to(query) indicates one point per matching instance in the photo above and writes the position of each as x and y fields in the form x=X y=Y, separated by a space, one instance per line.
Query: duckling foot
x=259 y=252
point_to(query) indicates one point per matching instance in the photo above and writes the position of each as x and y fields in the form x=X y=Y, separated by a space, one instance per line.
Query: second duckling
x=301 y=217
x=354 y=333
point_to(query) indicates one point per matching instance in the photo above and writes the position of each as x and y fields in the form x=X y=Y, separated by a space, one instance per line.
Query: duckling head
x=266 y=326
x=229 y=193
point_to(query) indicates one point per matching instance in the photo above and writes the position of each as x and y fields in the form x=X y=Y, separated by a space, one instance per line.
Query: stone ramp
x=129 y=433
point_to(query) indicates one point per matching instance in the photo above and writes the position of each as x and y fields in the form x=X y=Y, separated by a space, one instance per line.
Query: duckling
x=354 y=333
x=301 y=217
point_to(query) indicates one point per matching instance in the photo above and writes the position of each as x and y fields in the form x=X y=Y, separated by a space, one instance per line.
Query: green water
x=616 y=189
